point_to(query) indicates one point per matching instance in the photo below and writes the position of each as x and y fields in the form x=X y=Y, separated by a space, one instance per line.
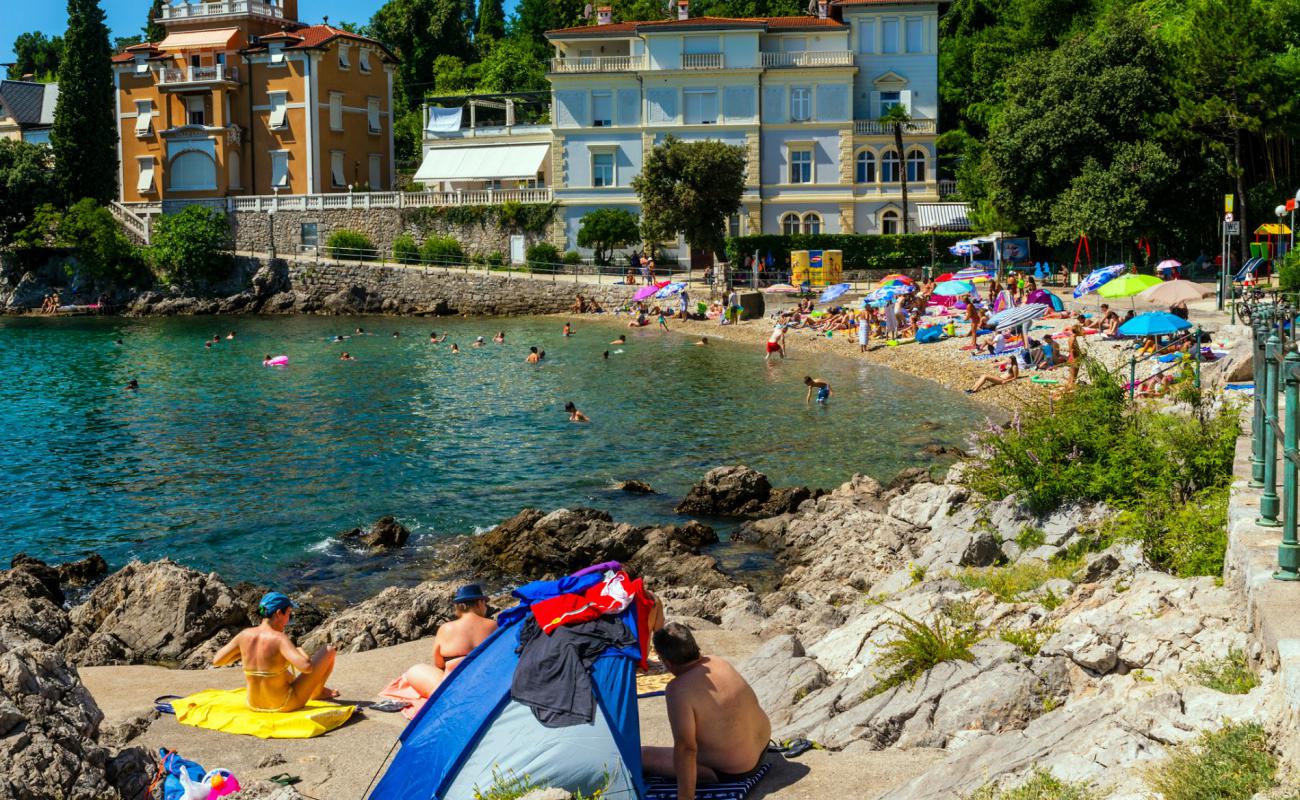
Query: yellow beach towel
x=228 y=711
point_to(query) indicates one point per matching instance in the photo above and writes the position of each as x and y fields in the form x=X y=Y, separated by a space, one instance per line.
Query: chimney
x=683 y=9
x=604 y=15
x=823 y=6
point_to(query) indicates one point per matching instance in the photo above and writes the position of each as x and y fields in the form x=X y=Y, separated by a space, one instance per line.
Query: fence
x=1272 y=318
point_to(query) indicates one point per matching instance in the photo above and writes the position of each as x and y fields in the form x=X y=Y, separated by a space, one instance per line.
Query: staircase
x=135 y=226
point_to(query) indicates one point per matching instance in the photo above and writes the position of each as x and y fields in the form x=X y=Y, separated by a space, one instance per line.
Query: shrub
x=1010 y=583
x=350 y=245
x=1041 y=785
x=1230 y=674
x=1288 y=275
x=1232 y=763
x=193 y=245
x=920 y=647
x=442 y=250
x=1029 y=640
x=405 y=250
x=104 y=254
x=542 y=255
x=496 y=259
x=1031 y=537
x=572 y=258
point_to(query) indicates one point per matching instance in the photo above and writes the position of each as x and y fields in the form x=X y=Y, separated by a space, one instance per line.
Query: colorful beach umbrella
x=885 y=294
x=645 y=292
x=947 y=276
x=1127 y=286
x=669 y=290
x=1046 y=298
x=833 y=293
x=954 y=288
x=1098 y=278
x=972 y=274
x=1015 y=317
x=1156 y=323
x=1171 y=293
x=896 y=278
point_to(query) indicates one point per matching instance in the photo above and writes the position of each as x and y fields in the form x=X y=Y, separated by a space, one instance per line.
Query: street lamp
x=1281 y=215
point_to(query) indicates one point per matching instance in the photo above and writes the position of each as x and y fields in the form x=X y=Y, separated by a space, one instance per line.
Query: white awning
x=500 y=162
x=219 y=37
x=943 y=216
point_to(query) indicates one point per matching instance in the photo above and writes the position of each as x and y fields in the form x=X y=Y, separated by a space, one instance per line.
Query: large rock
x=739 y=491
x=386 y=534
x=393 y=616
x=29 y=607
x=157 y=612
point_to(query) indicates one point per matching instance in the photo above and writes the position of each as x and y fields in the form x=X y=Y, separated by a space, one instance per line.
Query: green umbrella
x=1127 y=286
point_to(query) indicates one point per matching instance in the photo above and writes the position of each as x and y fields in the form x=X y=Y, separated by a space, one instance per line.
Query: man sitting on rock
x=719 y=731
x=270 y=657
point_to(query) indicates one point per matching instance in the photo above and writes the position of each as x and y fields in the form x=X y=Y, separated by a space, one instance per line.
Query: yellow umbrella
x=1127 y=286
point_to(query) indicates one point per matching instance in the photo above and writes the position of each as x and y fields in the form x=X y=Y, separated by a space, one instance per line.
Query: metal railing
x=1272 y=318
x=221 y=9
x=354 y=200
x=702 y=61
x=600 y=64
x=874 y=127
x=213 y=74
x=840 y=58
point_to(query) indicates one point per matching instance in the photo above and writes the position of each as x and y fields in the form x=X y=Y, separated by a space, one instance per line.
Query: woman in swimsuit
x=454 y=640
x=270 y=658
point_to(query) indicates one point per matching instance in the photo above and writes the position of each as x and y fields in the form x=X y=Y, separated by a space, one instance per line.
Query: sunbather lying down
x=270 y=658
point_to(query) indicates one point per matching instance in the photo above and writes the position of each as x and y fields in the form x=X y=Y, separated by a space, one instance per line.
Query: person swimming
x=622 y=339
x=337 y=339
x=606 y=355
x=500 y=338
x=822 y=387
x=703 y=342
x=479 y=342
x=455 y=348
x=568 y=329
x=346 y=356
x=360 y=331
x=230 y=335
x=534 y=356
x=118 y=342
x=133 y=385
x=574 y=414
x=396 y=334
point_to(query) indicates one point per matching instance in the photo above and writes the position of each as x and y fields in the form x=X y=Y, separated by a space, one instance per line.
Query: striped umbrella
x=669 y=290
x=885 y=294
x=1097 y=278
x=896 y=278
x=972 y=274
x=1015 y=317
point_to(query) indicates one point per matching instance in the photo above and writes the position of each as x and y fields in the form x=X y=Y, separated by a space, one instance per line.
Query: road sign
x=1227 y=217
x=1227 y=204
x=1231 y=228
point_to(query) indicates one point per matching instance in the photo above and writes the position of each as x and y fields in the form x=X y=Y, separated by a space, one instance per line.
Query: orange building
x=241 y=98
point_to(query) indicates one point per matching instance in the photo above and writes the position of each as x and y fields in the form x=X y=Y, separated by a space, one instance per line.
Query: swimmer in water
x=133 y=385
x=455 y=348
x=346 y=356
x=606 y=355
x=703 y=342
x=500 y=338
x=338 y=339
x=207 y=345
x=433 y=338
x=568 y=329
x=620 y=340
x=396 y=334
x=361 y=331
x=822 y=387
x=533 y=356
x=574 y=414
x=478 y=342
x=118 y=342
x=230 y=335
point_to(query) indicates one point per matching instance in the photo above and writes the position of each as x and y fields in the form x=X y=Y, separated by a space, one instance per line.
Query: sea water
x=224 y=464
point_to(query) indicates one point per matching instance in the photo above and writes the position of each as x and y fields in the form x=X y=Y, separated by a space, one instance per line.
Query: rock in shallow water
x=386 y=534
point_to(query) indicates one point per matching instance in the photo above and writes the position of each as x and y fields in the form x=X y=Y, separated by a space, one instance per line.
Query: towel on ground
x=401 y=689
x=227 y=711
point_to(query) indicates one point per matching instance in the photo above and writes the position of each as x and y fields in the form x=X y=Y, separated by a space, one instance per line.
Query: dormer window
x=276 y=49
x=141 y=65
x=344 y=63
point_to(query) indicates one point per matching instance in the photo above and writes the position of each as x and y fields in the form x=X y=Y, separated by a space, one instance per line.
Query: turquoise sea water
x=222 y=463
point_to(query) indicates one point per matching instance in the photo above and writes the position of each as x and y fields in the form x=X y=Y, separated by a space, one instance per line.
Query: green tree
x=607 y=229
x=26 y=182
x=514 y=64
x=691 y=188
x=491 y=20
x=419 y=31
x=897 y=119
x=153 y=29
x=104 y=254
x=37 y=55
x=84 y=136
x=533 y=18
x=192 y=246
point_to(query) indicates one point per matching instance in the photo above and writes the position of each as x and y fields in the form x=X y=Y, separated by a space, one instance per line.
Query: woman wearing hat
x=455 y=639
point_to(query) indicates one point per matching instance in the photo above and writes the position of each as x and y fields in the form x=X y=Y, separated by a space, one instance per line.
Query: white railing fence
x=808 y=59
x=874 y=127
x=133 y=224
x=701 y=60
x=602 y=64
x=198 y=74
x=221 y=9
x=352 y=200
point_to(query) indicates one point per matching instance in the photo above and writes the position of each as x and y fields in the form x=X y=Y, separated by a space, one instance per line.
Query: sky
x=126 y=17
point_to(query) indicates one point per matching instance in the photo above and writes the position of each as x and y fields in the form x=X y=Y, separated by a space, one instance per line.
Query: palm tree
x=897 y=117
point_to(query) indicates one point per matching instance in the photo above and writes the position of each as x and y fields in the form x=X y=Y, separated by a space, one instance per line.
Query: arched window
x=790 y=224
x=916 y=166
x=889 y=222
x=889 y=167
x=812 y=222
x=866 y=167
x=193 y=171
x=232 y=165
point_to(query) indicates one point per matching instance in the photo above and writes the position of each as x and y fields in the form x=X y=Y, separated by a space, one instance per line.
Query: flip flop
x=791 y=749
x=387 y=706
x=285 y=779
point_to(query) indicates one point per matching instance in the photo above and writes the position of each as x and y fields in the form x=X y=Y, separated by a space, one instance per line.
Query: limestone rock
x=28 y=607
x=386 y=534
x=393 y=616
x=635 y=487
x=727 y=491
x=83 y=572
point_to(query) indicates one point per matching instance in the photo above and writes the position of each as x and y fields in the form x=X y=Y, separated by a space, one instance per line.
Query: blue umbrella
x=954 y=288
x=885 y=294
x=1098 y=278
x=669 y=290
x=1156 y=323
x=833 y=293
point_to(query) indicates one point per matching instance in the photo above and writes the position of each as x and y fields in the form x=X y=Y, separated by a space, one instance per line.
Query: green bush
x=405 y=250
x=1029 y=640
x=1230 y=764
x=572 y=258
x=442 y=250
x=920 y=647
x=1288 y=274
x=496 y=259
x=1230 y=674
x=350 y=245
x=1187 y=538
x=1011 y=583
x=901 y=251
x=1041 y=785
x=191 y=246
x=542 y=256
x=104 y=254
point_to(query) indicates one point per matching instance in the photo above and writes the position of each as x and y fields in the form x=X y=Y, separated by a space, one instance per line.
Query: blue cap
x=273 y=602
x=470 y=593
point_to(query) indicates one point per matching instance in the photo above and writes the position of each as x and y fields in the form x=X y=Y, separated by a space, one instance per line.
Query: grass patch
x=512 y=787
x=1031 y=537
x=1041 y=785
x=1230 y=764
x=1012 y=582
x=917 y=572
x=1230 y=674
x=920 y=647
x=1029 y=640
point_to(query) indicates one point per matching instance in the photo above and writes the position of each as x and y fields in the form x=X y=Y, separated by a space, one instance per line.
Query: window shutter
x=144 y=118
x=629 y=107
x=279 y=110
x=774 y=104
x=145 y=185
x=875 y=105
x=905 y=97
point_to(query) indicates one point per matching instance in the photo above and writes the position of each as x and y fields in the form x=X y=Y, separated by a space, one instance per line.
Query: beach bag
x=174 y=788
x=929 y=335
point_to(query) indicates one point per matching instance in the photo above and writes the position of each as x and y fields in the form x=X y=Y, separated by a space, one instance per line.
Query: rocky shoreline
x=1081 y=670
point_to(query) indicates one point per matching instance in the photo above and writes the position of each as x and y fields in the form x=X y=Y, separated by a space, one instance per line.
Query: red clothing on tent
x=611 y=596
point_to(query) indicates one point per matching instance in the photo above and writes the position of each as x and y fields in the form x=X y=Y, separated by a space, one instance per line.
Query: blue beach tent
x=471 y=731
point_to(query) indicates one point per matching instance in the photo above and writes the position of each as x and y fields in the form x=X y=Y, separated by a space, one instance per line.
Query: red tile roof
x=134 y=50
x=766 y=23
x=803 y=22
x=314 y=36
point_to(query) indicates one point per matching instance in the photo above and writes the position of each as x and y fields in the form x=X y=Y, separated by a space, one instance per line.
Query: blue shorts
x=823 y=394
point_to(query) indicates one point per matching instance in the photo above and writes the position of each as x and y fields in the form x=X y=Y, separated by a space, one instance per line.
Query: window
x=602 y=169
x=196 y=61
x=801 y=104
x=914 y=33
x=733 y=226
x=372 y=114
x=193 y=171
x=309 y=234
x=916 y=166
x=279 y=109
x=867 y=36
x=336 y=169
x=145 y=184
x=889 y=223
x=141 y=65
x=376 y=173
x=866 y=167
x=812 y=222
x=889 y=36
x=889 y=167
x=143 y=117
x=801 y=166
x=220 y=59
x=364 y=58
x=276 y=49
x=790 y=224
x=701 y=44
x=602 y=109
x=194 y=110
x=701 y=107
x=280 y=169
x=344 y=63
x=888 y=100
x=336 y=111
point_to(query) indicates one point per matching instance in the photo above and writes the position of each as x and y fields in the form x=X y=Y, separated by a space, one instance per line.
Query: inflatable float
x=276 y=361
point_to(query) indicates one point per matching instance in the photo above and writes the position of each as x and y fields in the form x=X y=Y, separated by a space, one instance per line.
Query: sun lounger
x=666 y=788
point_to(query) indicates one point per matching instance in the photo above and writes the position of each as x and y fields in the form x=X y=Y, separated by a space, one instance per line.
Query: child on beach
x=775 y=343
x=822 y=388
x=533 y=356
x=864 y=331
x=568 y=329
x=663 y=322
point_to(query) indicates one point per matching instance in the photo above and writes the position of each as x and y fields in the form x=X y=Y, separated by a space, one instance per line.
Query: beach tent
x=471 y=731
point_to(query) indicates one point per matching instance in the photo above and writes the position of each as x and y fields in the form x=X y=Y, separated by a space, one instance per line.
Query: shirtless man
x=719 y=731
x=775 y=343
x=270 y=657
x=534 y=356
x=574 y=414
x=455 y=639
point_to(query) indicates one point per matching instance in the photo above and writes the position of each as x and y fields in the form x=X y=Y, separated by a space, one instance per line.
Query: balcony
x=189 y=77
x=224 y=8
x=873 y=127
x=367 y=200
x=563 y=66
x=947 y=188
x=807 y=59
x=702 y=61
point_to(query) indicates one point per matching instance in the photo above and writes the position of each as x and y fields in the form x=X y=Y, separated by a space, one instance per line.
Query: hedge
x=902 y=251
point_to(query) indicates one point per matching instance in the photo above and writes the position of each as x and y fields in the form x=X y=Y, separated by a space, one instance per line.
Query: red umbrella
x=947 y=276
x=646 y=291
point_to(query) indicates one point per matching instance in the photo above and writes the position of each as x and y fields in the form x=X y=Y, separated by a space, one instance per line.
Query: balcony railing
x=190 y=75
x=874 y=127
x=702 y=61
x=603 y=64
x=366 y=200
x=224 y=8
x=947 y=188
x=808 y=59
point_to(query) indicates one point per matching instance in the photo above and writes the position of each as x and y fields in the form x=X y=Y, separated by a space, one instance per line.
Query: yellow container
x=833 y=266
x=799 y=267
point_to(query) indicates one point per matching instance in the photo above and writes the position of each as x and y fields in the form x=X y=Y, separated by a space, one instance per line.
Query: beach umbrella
x=885 y=294
x=1046 y=298
x=1168 y=264
x=896 y=278
x=645 y=292
x=833 y=293
x=669 y=290
x=954 y=288
x=947 y=276
x=1097 y=278
x=1127 y=286
x=972 y=274
x=780 y=288
x=1015 y=317
x=1171 y=293
x=1155 y=323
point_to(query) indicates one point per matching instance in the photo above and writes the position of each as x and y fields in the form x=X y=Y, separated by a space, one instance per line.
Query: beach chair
x=666 y=788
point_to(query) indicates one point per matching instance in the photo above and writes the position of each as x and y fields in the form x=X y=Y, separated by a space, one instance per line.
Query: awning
x=943 y=216
x=221 y=37
x=500 y=162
